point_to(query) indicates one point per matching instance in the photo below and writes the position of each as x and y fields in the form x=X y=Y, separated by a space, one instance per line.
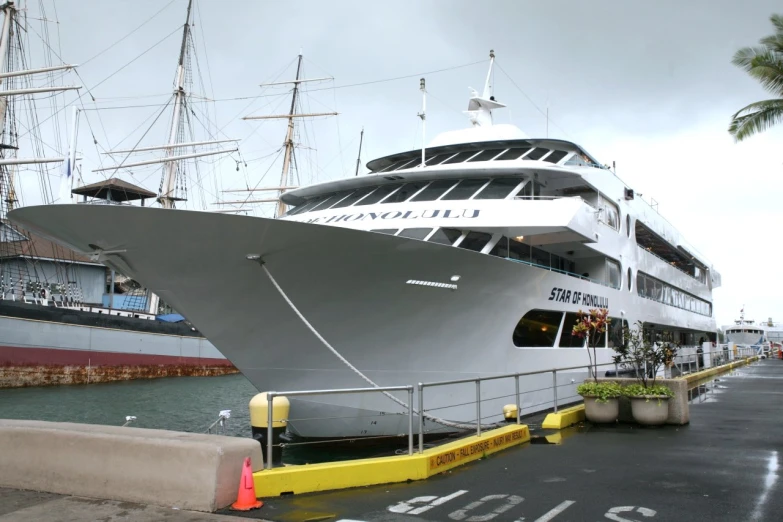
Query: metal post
x=478 y=407
x=421 y=418
x=554 y=387
x=519 y=406
x=269 y=398
x=410 y=420
x=697 y=363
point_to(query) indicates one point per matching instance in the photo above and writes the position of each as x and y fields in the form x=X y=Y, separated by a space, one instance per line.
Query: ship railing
x=704 y=282
x=686 y=364
x=564 y=272
x=269 y=463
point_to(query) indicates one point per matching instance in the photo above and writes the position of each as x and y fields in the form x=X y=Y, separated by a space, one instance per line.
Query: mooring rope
x=358 y=372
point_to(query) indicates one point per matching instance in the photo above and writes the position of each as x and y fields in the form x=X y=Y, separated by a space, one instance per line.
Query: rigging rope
x=358 y=372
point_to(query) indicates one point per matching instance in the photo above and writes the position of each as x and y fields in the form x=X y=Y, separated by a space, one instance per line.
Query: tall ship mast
x=468 y=257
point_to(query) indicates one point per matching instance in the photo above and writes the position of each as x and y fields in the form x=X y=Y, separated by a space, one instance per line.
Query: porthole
x=629 y=279
x=628 y=224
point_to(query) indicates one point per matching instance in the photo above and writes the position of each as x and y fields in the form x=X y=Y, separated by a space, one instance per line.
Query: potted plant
x=649 y=401
x=601 y=398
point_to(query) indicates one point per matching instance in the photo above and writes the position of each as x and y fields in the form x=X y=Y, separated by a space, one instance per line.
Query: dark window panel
x=486 y=155
x=556 y=156
x=465 y=189
x=537 y=329
x=512 y=154
x=434 y=190
x=379 y=194
x=475 y=241
x=536 y=154
x=498 y=188
x=415 y=233
x=445 y=236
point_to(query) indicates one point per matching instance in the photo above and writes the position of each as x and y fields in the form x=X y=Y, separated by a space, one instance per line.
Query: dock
x=724 y=465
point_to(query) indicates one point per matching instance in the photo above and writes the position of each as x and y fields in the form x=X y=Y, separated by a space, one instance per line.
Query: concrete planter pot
x=601 y=412
x=650 y=410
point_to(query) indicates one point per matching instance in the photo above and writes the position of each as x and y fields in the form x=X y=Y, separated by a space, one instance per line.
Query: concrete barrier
x=159 y=467
x=679 y=411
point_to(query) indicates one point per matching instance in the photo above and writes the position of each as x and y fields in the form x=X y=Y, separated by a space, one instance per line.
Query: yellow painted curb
x=384 y=470
x=564 y=418
x=698 y=376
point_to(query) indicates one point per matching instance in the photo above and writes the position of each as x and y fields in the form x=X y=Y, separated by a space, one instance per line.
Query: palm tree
x=764 y=63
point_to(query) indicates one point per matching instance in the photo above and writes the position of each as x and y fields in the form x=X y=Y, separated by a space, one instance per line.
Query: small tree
x=591 y=326
x=643 y=355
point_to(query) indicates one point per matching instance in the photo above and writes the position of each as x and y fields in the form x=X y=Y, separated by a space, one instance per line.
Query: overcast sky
x=648 y=85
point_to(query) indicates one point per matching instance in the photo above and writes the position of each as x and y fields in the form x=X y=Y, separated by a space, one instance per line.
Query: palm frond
x=764 y=65
x=755 y=118
x=773 y=42
x=777 y=21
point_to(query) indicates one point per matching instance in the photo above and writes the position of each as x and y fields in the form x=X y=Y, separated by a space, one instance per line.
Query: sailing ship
x=467 y=258
x=57 y=325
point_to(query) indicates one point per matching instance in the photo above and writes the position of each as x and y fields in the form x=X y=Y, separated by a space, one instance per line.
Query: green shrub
x=602 y=391
x=637 y=390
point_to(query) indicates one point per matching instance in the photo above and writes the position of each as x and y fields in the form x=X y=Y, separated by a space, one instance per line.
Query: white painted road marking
x=429 y=501
x=552 y=513
x=611 y=514
x=511 y=501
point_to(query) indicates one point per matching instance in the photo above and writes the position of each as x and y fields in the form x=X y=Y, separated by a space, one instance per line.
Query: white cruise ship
x=468 y=259
x=748 y=332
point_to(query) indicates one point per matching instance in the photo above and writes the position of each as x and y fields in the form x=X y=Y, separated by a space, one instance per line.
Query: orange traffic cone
x=246 y=497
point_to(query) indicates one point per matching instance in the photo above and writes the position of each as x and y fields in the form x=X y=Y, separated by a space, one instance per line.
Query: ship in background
x=58 y=322
x=748 y=332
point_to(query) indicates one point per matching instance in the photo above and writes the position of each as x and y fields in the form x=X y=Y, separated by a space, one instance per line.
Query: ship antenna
x=423 y=116
x=480 y=106
x=359 y=156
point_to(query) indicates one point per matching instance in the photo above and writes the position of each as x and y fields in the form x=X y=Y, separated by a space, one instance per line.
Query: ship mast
x=167 y=198
x=289 y=141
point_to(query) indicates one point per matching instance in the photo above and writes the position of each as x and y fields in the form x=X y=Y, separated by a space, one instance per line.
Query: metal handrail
x=565 y=272
x=272 y=394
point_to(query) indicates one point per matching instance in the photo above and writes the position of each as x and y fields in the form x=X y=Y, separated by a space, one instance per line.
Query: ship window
x=566 y=339
x=536 y=153
x=405 y=192
x=415 y=233
x=375 y=197
x=486 y=155
x=518 y=250
x=410 y=164
x=613 y=273
x=459 y=158
x=512 y=154
x=617 y=329
x=390 y=231
x=628 y=224
x=353 y=198
x=331 y=200
x=307 y=206
x=440 y=158
x=501 y=248
x=657 y=290
x=498 y=188
x=556 y=156
x=465 y=189
x=434 y=190
x=610 y=215
x=395 y=165
x=537 y=329
x=445 y=236
x=629 y=279
x=475 y=241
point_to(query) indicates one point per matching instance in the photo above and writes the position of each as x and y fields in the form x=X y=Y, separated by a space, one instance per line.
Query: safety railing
x=725 y=354
x=304 y=393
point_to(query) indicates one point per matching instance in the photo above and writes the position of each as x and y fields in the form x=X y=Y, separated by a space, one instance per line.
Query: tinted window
x=390 y=231
x=353 y=198
x=440 y=158
x=556 y=156
x=475 y=241
x=405 y=192
x=395 y=165
x=613 y=273
x=537 y=329
x=616 y=329
x=415 y=233
x=536 y=154
x=331 y=200
x=501 y=248
x=518 y=250
x=307 y=206
x=465 y=189
x=498 y=188
x=512 y=154
x=410 y=164
x=486 y=155
x=434 y=190
x=378 y=195
x=540 y=257
x=445 y=236
x=566 y=339
x=459 y=158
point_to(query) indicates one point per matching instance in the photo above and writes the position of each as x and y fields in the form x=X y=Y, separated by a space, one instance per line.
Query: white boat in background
x=467 y=259
x=747 y=332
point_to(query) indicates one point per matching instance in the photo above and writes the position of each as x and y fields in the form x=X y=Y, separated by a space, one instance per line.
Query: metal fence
x=552 y=397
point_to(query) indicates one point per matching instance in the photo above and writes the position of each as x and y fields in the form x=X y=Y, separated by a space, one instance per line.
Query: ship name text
x=562 y=295
x=468 y=213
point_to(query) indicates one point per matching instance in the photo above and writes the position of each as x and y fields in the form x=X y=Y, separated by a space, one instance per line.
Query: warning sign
x=473 y=450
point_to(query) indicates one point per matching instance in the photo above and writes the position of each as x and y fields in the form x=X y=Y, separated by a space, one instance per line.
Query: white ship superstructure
x=465 y=260
x=748 y=332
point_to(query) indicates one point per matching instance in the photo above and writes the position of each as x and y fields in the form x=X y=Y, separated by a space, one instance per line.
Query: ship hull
x=354 y=288
x=39 y=348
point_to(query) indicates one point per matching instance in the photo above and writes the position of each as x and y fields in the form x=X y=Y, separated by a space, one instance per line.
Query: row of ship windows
x=436 y=157
x=744 y=331
x=657 y=290
x=442 y=189
x=539 y=329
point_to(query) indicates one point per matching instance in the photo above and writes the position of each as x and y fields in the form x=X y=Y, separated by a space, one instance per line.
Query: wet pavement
x=725 y=465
